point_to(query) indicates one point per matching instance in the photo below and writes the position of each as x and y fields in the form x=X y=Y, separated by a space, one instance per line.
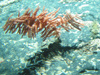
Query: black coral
x=31 y=23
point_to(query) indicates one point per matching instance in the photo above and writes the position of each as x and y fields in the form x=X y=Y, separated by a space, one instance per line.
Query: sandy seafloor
x=83 y=60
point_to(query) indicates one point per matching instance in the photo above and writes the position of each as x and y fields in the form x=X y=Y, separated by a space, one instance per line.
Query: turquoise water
x=14 y=50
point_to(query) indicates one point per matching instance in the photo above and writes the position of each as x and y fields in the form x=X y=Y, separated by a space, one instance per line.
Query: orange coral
x=31 y=23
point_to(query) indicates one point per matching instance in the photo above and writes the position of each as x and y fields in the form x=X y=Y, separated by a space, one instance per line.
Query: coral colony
x=48 y=23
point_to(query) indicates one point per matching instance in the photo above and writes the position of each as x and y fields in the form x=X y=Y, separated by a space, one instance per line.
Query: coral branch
x=30 y=23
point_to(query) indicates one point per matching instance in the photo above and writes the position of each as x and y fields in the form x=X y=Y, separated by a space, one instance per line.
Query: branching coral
x=48 y=23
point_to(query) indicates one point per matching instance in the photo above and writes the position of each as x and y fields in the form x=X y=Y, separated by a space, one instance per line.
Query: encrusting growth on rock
x=48 y=23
